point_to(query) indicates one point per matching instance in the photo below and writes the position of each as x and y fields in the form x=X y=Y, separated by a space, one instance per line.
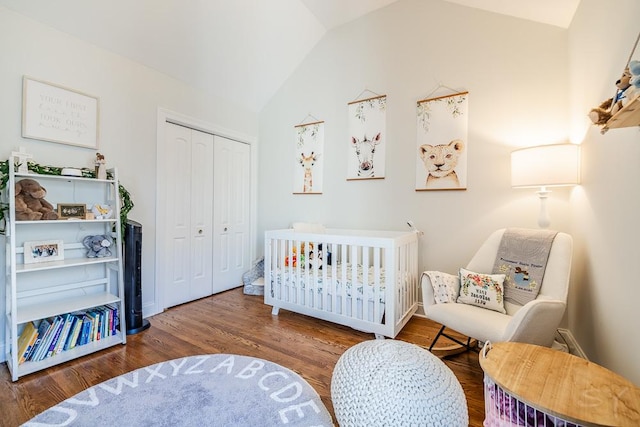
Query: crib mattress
x=304 y=279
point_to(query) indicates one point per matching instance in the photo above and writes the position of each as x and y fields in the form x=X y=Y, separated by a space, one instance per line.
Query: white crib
x=367 y=280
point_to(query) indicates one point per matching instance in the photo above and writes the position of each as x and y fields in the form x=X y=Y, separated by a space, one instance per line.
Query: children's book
x=26 y=340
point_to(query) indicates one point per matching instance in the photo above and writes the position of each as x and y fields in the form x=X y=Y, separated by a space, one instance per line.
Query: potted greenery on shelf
x=125 y=196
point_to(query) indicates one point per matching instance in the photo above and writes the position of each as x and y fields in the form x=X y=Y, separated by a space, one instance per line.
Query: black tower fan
x=133 y=278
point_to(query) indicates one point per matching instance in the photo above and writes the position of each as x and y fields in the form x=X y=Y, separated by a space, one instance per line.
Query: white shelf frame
x=72 y=262
x=65 y=356
x=18 y=314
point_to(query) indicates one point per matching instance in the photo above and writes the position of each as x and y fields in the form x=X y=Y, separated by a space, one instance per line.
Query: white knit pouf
x=394 y=383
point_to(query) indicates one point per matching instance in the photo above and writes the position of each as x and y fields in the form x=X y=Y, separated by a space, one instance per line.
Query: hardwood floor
x=233 y=323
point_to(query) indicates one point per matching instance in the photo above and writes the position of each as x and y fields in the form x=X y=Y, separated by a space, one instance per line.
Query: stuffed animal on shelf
x=102 y=211
x=634 y=90
x=602 y=113
x=30 y=202
x=98 y=246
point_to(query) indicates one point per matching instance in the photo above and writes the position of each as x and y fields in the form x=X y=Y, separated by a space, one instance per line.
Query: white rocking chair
x=534 y=323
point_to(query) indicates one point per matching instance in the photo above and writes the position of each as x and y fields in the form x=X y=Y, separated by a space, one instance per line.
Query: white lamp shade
x=546 y=166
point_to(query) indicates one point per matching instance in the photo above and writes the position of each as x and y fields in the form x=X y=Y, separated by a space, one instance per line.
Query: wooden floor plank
x=232 y=323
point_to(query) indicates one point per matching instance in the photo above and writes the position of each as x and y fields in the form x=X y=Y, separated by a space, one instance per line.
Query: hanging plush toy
x=602 y=113
x=628 y=89
x=634 y=90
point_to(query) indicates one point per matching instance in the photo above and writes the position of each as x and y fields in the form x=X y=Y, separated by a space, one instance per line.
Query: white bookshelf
x=75 y=283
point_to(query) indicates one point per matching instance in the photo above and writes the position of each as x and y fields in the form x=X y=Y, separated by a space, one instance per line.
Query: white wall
x=604 y=315
x=529 y=84
x=516 y=75
x=130 y=95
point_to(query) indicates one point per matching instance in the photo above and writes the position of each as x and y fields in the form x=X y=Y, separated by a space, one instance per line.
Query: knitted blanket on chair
x=522 y=257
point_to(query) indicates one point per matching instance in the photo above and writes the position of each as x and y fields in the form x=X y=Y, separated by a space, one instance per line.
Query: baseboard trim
x=572 y=343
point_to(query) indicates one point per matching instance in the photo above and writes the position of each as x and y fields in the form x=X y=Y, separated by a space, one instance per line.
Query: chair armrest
x=536 y=322
x=428 y=298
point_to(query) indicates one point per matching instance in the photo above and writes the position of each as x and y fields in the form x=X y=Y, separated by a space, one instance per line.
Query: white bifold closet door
x=231 y=228
x=207 y=214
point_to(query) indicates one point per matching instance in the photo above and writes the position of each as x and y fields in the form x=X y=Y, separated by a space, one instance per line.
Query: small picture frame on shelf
x=43 y=251
x=72 y=211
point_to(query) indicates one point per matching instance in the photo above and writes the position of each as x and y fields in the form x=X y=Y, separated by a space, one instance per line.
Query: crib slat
x=298 y=289
x=377 y=307
x=366 y=285
x=344 y=263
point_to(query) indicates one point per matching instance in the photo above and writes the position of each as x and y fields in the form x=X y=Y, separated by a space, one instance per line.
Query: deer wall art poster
x=307 y=177
x=441 y=152
x=367 y=138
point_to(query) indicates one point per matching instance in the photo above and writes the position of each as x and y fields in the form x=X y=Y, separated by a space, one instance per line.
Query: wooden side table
x=555 y=384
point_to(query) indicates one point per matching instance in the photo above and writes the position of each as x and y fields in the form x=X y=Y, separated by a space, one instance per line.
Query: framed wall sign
x=57 y=114
x=72 y=211
x=43 y=251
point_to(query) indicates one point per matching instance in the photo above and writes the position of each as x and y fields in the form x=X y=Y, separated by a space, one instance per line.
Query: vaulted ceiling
x=238 y=50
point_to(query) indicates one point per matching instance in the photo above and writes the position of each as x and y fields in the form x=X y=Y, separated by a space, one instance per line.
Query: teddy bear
x=97 y=246
x=602 y=113
x=30 y=202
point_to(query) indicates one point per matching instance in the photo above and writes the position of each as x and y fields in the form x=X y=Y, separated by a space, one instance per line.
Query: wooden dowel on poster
x=441 y=97
x=309 y=116
x=375 y=96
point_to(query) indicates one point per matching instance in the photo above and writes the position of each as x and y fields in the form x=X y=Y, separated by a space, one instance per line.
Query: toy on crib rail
x=299 y=254
x=293 y=259
x=102 y=211
x=97 y=246
x=317 y=260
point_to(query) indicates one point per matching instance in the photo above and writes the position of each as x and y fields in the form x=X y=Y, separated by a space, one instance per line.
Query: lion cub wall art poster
x=307 y=171
x=367 y=138
x=441 y=155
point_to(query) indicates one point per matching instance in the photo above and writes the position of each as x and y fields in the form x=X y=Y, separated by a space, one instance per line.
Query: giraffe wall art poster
x=441 y=152
x=307 y=175
x=367 y=138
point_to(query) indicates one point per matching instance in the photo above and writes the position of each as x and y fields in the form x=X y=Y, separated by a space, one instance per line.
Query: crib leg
x=379 y=336
x=275 y=311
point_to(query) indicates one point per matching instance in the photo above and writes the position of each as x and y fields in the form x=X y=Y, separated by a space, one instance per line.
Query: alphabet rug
x=212 y=390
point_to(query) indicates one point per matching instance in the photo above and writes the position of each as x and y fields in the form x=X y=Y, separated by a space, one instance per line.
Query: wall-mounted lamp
x=545 y=166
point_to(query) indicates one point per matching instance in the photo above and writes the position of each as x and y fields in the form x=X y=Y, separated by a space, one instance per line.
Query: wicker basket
x=504 y=410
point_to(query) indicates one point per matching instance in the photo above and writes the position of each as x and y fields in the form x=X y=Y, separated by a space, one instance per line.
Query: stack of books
x=48 y=337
